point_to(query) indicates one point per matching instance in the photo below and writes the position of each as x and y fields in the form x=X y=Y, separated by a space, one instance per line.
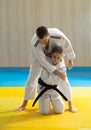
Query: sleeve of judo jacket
x=61 y=40
x=39 y=54
x=67 y=47
x=42 y=60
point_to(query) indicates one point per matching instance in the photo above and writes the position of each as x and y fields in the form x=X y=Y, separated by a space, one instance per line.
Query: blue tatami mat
x=13 y=76
x=80 y=76
x=17 y=76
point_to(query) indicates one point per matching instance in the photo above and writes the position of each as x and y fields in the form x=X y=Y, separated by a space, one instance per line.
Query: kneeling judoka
x=48 y=87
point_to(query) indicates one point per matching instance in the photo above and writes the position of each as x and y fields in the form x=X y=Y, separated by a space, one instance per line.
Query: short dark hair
x=58 y=49
x=41 y=31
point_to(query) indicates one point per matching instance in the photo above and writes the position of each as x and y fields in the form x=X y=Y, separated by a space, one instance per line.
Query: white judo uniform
x=38 y=61
x=51 y=95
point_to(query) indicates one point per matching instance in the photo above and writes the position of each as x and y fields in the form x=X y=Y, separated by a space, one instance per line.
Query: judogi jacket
x=50 y=82
x=52 y=78
x=56 y=38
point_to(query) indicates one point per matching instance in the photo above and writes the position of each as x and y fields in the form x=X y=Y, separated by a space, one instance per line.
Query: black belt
x=47 y=87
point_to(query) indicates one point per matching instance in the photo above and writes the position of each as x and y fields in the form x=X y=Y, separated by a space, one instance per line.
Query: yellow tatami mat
x=31 y=119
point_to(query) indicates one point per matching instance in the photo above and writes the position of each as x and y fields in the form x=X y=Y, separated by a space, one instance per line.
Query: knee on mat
x=44 y=111
x=60 y=110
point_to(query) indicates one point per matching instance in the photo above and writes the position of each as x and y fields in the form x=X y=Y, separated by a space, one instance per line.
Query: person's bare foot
x=73 y=109
x=21 y=108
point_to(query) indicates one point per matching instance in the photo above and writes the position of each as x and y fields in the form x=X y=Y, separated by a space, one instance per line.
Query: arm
x=67 y=47
x=70 y=63
x=39 y=54
x=68 y=50
x=60 y=74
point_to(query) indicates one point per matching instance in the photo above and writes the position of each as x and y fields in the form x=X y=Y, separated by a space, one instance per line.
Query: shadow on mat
x=26 y=115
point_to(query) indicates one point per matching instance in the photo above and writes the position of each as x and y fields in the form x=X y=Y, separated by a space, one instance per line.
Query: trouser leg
x=44 y=104
x=31 y=84
x=57 y=103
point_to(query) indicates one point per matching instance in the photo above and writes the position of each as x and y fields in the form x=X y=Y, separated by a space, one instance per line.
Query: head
x=43 y=35
x=57 y=54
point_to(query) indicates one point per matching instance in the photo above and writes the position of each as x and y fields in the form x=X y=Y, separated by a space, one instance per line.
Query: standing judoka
x=42 y=42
